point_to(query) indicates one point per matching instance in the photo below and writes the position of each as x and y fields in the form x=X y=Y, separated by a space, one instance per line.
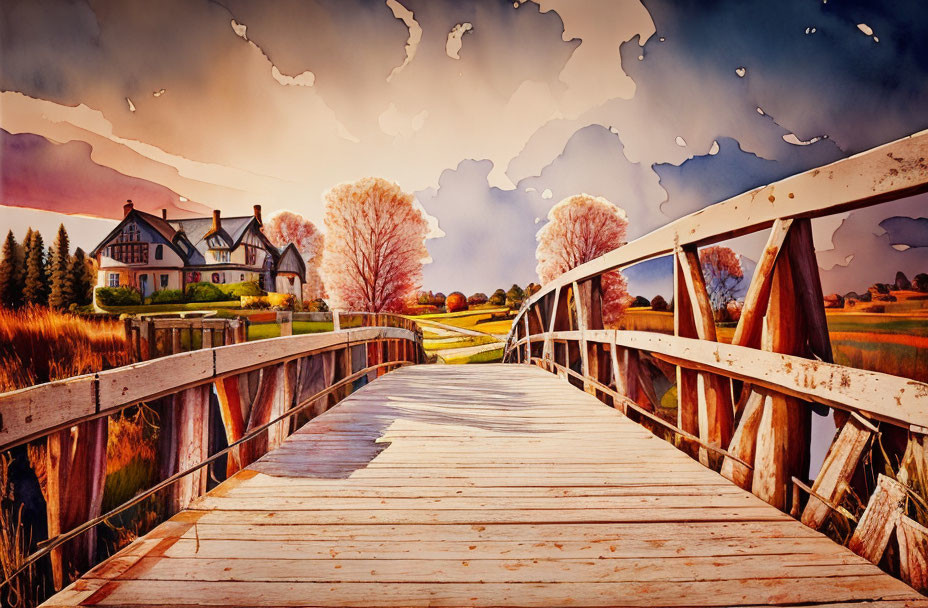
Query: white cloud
x=415 y=34
x=306 y=79
x=792 y=138
x=455 y=36
x=399 y=124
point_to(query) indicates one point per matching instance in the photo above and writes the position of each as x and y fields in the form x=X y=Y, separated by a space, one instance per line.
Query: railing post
x=285 y=320
x=336 y=321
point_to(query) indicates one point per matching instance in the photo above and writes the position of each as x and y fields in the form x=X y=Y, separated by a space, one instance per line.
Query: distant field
x=445 y=342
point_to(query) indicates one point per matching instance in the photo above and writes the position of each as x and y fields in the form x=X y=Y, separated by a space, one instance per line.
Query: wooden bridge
x=549 y=480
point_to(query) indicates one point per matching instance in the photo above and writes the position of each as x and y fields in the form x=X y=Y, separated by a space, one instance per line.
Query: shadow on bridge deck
x=493 y=485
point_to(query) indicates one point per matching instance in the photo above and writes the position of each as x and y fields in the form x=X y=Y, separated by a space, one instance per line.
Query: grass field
x=223 y=309
x=272 y=330
x=440 y=341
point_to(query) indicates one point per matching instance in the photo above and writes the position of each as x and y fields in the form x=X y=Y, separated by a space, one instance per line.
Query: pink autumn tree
x=374 y=246
x=579 y=229
x=285 y=227
x=722 y=272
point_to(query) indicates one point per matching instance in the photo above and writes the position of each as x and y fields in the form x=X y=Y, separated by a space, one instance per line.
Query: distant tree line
x=31 y=275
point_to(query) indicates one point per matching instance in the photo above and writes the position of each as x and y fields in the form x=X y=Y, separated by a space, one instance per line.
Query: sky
x=489 y=112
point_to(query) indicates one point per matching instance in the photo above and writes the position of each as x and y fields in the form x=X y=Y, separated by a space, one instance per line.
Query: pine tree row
x=32 y=275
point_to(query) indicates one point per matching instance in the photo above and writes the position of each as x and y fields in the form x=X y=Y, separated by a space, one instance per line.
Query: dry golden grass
x=38 y=345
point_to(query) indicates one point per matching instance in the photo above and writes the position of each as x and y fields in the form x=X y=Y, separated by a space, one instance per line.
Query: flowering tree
x=285 y=227
x=579 y=229
x=722 y=271
x=374 y=246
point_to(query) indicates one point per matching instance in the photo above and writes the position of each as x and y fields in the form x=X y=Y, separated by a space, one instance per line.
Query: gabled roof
x=157 y=224
x=232 y=230
x=195 y=232
x=291 y=250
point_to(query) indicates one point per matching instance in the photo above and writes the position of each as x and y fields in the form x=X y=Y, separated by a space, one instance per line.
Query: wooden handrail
x=33 y=412
x=893 y=399
x=51 y=544
x=742 y=407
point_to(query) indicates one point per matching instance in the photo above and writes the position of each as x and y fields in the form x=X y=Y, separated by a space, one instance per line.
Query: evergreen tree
x=11 y=273
x=79 y=278
x=36 y=284
x=59 y=269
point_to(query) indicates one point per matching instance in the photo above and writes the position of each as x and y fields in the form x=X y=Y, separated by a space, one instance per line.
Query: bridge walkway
x=494 y=485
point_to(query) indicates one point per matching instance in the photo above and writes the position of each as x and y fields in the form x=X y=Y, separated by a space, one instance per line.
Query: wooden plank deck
x=492 y=485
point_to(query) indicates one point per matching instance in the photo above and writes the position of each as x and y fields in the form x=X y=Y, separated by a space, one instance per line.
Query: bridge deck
x=480 y=485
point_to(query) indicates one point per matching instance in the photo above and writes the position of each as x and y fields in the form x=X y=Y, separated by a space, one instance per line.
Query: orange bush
x=455 y=302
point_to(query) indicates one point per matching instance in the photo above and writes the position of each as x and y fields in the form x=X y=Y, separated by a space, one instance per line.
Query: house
x=152 y=253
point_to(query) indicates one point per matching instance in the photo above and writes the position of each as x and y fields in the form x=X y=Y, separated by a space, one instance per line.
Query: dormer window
x=222 y=255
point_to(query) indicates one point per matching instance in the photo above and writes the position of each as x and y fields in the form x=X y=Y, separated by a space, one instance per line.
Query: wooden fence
x=251 y=384
x=745 y=408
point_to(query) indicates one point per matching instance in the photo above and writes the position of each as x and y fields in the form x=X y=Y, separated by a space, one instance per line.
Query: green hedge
x=204 y=292
x=234 y=291
x=118 y=296
x=167 y=296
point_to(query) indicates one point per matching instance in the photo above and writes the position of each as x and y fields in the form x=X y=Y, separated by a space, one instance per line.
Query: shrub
x=118 y=296
x=317 y=305
x=498 y=298
x=921 y=282
x=659 y=304
x=477 y=298
x=456 y=301
x=255 y=302
x=234 y=291
x=167 y=296
x=281 y=301
x=204 y=292
x=641 y=302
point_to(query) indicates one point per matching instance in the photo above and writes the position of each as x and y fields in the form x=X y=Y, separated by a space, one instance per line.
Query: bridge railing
x=745 y=408
x=261 y=391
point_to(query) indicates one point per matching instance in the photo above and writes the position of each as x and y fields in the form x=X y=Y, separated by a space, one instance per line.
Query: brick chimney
x=127 y=208
x=164 y=213
x=258 y=215
x=216 y=222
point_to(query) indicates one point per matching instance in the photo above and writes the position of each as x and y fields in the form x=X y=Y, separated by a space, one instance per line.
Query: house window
x=216 y=278
x=159 y=252
x=128 y=253
x=113 y=280
x=164 y=280
x=251 y=255
x=243 y=277
x=221 y=255
x=193 y=277
x=291 y=280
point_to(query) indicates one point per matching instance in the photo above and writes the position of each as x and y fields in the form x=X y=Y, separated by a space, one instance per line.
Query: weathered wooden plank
x=29 y=412
x=150 y=379
x=876 y=525
x=913 y=552
x=837 y=470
